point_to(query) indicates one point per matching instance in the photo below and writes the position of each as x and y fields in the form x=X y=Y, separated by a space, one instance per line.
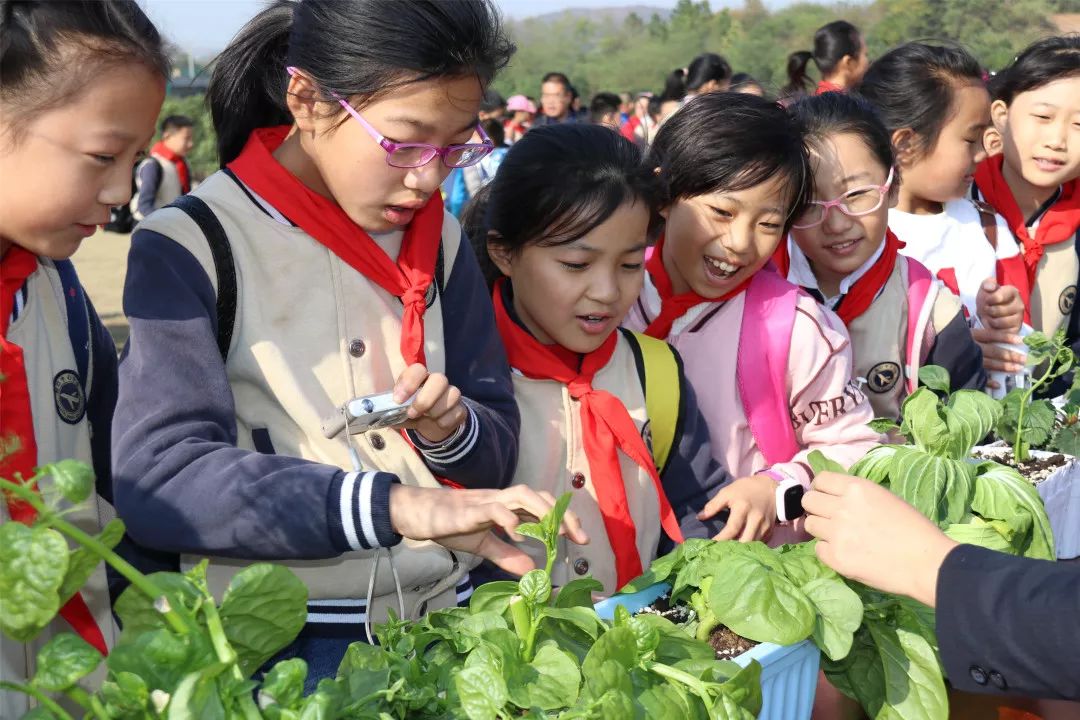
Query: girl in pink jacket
x=771 y=368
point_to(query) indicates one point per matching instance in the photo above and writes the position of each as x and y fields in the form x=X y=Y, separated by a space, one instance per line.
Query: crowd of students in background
x=660 y=304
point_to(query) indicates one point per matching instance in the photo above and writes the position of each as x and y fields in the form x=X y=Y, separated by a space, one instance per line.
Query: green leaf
x=923 y=422
x=914 y=686
x=839 y=615
x=482 y=692
x=876 y=464
x=618 y=645
x=284 y=684
x=125 y=695
x=74 y=480
x=883 y=425
x=760 y=603
x=979 y=532
x=819 y=463
x=742 y=692
x=535 y=587
x=197 y=697
x=32 y=566
x=1067 y=439
x=263 y=610
x=63 y=661
x=1002 y=495
x=936 y=378
x=553 y=520
x=493 y=596
x=939 y=488
x=532 y=530
x=577 y=593
x=551 y=681
x=676 y=645
x=137 y=612
x=607 y=676
x=161 y=658
x=970 y=416
x=82 y=562
x=580 y=618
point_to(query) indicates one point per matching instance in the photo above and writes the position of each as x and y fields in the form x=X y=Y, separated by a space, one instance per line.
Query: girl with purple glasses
x=316 y=267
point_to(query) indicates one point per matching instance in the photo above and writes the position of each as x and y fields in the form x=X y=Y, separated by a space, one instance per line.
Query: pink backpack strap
x=761 y=369
x=920 y=282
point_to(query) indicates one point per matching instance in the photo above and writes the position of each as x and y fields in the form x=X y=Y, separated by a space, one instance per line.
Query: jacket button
x=581 y=567
x=578 y=481
x=998 y=680
x=978 y=675
x=357 y=348
x=377 y=441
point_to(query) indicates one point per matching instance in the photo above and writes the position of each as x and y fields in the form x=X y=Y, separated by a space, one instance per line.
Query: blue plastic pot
x=789 y=673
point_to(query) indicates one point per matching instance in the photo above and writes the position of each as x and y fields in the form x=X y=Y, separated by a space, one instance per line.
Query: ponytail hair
x=358 y=49
x=1041 y=63
x=832 y=43
x=674 y=86
x=913 y=86
x=51 y=51
x=558 y=183
x=705 y=68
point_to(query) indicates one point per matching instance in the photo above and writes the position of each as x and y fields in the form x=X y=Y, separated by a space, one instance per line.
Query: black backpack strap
x=78 y=321
x=224 y=266
x=1073 y=332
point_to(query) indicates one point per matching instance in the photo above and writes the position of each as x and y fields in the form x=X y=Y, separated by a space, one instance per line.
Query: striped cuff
x=454 y=448
x=358 y=506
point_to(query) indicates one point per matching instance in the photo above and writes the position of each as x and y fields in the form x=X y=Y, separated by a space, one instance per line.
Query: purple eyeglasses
x=414 y=155
x=855 y=202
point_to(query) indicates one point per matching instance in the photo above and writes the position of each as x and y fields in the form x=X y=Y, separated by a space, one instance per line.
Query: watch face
x=793 y=502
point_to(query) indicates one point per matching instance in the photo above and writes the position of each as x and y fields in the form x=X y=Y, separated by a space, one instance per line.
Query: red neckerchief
x=606 y=427
x=862 y=294
x=1058 y=224
x=672 y=306
x=826 y=87
x=324 y=220
x=17 y=419
x=160 y=148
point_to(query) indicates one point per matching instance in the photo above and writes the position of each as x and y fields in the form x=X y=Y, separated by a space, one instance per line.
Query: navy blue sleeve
x=180 y=483
x=955 y=350
x=101 y=401
x=149 y=180
x=483 y=453
x=692 y=476
x=1008 y=625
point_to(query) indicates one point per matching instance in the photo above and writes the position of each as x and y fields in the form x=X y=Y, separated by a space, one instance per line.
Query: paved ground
x=102 y=264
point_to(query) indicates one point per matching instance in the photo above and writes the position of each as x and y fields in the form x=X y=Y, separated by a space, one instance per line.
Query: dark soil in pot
x=726 y=643
x=1034 y=469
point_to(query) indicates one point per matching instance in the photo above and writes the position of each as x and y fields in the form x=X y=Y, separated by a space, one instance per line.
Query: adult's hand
x=869 y=534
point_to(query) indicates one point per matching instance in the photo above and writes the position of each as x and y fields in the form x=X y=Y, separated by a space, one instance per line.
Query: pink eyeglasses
x=858 y=201
x=413 y=155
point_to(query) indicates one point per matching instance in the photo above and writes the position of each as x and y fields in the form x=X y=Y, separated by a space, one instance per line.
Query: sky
x=203 y=27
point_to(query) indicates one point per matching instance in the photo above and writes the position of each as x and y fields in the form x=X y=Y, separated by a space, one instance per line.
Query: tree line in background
x=638 y=53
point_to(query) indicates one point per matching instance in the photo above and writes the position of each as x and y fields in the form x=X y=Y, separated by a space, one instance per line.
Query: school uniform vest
x=168 y=189
x=310 y=334
x=552 y=458
x=61 y=431
x=1054 y=293
x=879 y=340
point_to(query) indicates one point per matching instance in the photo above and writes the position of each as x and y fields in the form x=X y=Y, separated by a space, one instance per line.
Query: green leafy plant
x=893 y=668
x=521 y=649
x=1026 y=422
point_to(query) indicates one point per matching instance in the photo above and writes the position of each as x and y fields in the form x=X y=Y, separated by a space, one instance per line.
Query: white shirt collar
x=800 y=272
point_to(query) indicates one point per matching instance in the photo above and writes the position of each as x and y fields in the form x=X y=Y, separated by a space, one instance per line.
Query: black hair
x=559 y=78
x=704 y=68
x=603 y=103
x=744 y=80
x=912 y=86
x=358 y=49
x=176 y=122
x=674 y=86
x=832 y=43
x=843 y=113
x=555 y=185
x=494 y=129
x=731 y=141
x=38 y=70
x=1041 y=63
x=492 y=101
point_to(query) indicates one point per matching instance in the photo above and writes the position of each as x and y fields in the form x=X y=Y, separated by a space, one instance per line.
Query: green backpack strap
x=660 y=371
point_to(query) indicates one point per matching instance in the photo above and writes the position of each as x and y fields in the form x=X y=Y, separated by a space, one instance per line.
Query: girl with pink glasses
x=842 y=251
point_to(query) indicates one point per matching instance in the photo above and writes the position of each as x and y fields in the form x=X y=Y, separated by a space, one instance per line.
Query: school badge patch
x=1066 y=300
x=68 y=396
x=883 y=377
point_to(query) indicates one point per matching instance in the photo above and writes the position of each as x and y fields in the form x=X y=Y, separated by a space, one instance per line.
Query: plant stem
x=145 y=584
x=47 y=702
x=88 y=701
x=695 y=684
x=226 y=654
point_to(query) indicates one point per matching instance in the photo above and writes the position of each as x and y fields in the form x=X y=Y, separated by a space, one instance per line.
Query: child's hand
x=751 y=502
x=437 y=410
x=999 y=306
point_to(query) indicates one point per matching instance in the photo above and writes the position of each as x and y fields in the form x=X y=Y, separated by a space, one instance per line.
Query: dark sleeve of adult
x=692 y=476
x=149 y=180
x=179 y=481
x=101 y=401
x=483 y=453
x=956 y=350
x=1009 y=625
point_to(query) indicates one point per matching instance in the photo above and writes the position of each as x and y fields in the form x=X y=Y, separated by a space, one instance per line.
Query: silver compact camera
x=371 y=412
